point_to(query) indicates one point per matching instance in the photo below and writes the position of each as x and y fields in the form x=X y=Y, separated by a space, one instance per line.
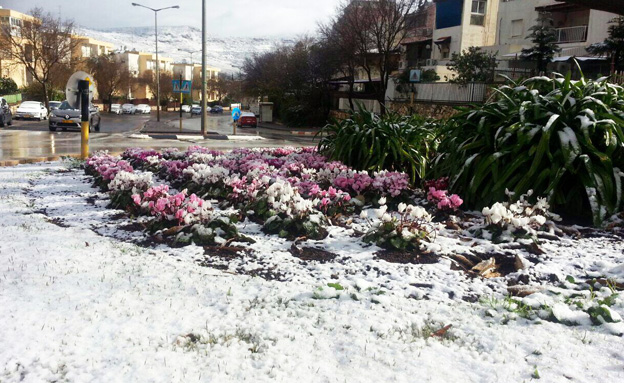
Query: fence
x=13 y=98
x=618 y=78
x=450 y=93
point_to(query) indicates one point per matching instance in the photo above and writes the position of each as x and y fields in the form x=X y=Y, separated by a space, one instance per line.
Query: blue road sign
x=236 y=114
x=181 y=86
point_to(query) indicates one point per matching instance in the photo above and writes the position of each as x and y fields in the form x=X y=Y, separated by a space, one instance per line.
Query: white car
x=128 y=109
x=116 y=108
x=186 y=108
x=143 y=109
x=31 y=109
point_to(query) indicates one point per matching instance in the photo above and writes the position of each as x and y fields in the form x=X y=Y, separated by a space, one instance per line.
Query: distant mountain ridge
x=226 y=53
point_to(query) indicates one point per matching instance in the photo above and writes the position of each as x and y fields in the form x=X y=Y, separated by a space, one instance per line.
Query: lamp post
x=190 y=53
x=157 y=61
x=203 y=70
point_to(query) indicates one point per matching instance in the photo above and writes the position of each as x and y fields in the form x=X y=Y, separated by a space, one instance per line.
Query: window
x=517 y=27
x=477 y=12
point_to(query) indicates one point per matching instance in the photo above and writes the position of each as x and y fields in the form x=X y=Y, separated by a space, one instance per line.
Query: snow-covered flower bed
x=88 y=295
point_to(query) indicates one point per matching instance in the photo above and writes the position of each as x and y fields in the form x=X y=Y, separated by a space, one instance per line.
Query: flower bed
x=294 y=193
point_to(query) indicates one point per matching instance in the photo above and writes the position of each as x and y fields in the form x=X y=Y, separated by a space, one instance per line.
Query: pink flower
x=456 y=201
x=137 y=199
x=160 y=205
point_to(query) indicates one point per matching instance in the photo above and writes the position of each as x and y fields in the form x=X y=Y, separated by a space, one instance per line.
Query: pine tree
x=612 y=46
x=544 y=38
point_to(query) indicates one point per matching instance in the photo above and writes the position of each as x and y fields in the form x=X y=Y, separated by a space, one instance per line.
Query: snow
x=82 y=300
x=226 y=53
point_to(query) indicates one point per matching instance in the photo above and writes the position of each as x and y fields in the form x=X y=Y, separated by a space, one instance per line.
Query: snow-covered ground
x=84 y=297
x=226 y=53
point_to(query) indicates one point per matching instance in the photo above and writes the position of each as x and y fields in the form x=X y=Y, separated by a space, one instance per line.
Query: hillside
x=175 y=42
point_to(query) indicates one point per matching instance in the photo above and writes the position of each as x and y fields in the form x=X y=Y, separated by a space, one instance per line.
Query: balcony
x=572 y=34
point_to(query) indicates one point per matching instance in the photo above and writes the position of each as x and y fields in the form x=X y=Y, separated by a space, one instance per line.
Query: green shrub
x=564 y=139
x=366 y=141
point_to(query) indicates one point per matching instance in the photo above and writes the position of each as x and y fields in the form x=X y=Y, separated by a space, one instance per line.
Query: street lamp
x=190 y=53
x=157 y=61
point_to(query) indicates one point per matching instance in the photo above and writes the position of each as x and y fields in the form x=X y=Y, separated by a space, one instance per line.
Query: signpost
x=182 y=87
x=79 y=93
x=236 y=113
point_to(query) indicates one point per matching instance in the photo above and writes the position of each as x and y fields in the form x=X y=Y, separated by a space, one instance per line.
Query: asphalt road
x=111 y=123
x=32 y=139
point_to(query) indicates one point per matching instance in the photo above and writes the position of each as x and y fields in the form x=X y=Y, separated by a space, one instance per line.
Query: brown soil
x=415 y=257
x=312 y=254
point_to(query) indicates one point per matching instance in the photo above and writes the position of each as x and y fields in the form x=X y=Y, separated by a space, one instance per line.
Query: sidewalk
x=299 y=131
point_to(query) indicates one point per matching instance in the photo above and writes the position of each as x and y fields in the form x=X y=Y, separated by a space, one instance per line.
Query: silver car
x=67 y=117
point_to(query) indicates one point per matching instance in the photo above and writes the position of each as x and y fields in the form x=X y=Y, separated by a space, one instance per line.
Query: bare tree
x=166 y=85
x=43 y=45
x=111 y=76
x=341 y=40
x=377 y=27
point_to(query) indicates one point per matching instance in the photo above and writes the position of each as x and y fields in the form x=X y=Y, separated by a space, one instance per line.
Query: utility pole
x=203 y=70
x=157 y=61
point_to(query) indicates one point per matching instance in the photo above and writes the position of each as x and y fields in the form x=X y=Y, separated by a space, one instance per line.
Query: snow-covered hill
x=175 y=42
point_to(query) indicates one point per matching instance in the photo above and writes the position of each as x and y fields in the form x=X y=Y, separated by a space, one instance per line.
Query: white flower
x=382 y=201
x=386 y=217
x=539 y=219
x=364 y=214
x=402 y=207
x=381 y=211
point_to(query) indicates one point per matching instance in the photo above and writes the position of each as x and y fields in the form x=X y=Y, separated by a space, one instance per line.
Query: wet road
x=28 y=139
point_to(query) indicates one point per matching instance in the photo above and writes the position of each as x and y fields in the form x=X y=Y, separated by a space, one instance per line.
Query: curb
x=303 y=133
x=33 y=160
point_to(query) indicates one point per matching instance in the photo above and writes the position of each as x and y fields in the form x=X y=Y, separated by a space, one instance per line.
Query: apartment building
x=577 y=26
x=460 y=24
x=416 y=47
x=87 y=48
x=9 y=68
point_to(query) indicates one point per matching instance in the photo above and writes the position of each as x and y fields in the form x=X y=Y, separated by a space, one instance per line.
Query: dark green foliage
x=366 y=141
x=564 y=139
x=7 y=86
x=472 y=65
x=544 y=38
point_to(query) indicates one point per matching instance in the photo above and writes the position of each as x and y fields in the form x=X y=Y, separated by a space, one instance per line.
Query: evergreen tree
x=612 y=46
x=544 y=38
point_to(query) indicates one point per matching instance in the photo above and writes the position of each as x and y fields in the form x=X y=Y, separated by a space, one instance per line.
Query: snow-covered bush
x=124 y=185
x=403 y=229
x=564 y=139
x=507 y=221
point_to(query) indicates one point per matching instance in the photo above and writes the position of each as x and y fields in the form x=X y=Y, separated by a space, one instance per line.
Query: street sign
x=415 y=75
x=181 y=86
x=71 y=89
x=236 y=114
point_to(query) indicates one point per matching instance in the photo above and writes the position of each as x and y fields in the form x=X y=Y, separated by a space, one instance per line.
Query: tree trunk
x=46 y=97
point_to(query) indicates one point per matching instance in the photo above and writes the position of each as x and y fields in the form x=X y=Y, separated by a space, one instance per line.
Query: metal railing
x=451 y=93
x=572 y=34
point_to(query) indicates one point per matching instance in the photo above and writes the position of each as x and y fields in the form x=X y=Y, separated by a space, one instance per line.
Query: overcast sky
x=224 y=18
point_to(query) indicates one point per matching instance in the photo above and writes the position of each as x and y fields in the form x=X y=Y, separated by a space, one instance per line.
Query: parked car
x=143 y=109
x=68 y=117
x=31 y=109
x=216 y=109
x=186 y=108
x=128 y=109
x=196 y=110
x=247 y=120
x=116 y=108
x=54 y=105
x=6 y=117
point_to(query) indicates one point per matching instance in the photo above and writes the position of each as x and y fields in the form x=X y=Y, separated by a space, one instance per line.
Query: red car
x=247 y=120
